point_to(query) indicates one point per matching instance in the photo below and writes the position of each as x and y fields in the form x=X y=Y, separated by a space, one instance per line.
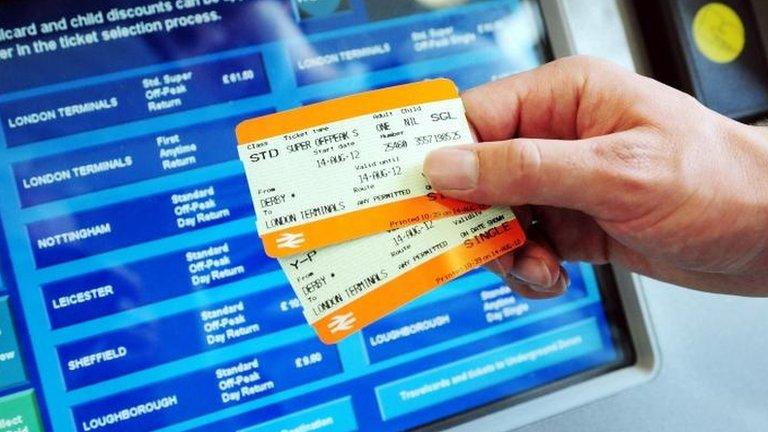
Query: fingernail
x=559 y=287
x=534 y=272
x=452 y=169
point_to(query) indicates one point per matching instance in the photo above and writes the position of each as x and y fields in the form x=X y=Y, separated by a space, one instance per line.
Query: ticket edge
x=444 y=88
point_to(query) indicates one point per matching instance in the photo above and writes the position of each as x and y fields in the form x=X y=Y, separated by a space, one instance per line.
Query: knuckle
x=524 y=160
x=510 y=168
x=635 y=167
x=583 y=63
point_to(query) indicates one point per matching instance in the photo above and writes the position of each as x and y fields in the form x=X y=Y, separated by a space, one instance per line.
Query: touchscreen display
x=135 y=293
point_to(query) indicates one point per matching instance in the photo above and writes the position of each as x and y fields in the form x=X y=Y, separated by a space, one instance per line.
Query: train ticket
x=350 y=167
x=344 y=287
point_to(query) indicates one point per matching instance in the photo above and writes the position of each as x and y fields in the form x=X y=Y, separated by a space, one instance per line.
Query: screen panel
x=135 y=292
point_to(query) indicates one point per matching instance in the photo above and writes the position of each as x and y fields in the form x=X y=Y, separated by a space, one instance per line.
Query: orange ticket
x=345 y=287
x=350 y=167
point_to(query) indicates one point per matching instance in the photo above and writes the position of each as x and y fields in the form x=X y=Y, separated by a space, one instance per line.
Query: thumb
x=522 y=171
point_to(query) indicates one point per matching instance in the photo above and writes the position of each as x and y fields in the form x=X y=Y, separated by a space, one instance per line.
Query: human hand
x=615 y=168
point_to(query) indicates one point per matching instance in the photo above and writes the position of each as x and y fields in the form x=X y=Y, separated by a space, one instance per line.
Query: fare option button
x=18 y=413
x=337 y=415
x=11 y=365
x=489 y=368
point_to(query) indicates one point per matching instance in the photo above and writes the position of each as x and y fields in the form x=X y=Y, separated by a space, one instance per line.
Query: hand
x=615 y=168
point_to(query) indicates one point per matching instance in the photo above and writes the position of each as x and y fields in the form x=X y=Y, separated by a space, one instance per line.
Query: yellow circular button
x=719 y=32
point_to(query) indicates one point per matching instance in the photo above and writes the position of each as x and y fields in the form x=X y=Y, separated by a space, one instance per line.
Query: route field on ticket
x=350 y=167
x=344 y=287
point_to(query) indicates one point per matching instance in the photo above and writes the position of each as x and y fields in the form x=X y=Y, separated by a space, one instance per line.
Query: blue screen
x=135 y=293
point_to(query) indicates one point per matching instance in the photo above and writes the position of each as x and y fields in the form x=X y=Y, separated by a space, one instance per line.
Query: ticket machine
x=135 y=293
